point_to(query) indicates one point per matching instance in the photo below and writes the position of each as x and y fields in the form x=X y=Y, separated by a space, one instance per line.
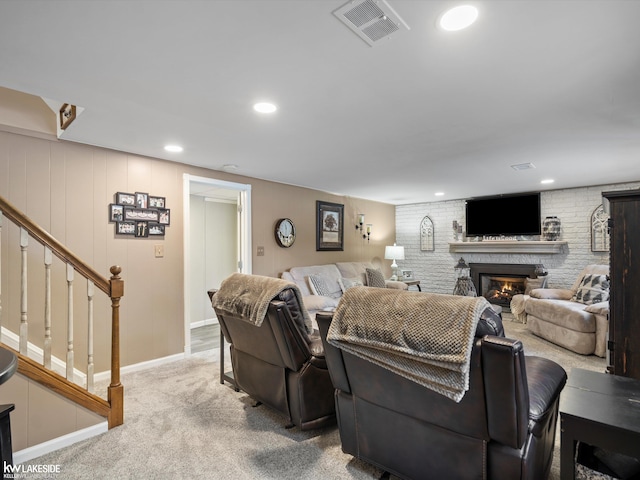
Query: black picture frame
x=142 y=200
x=157 y=202
x=156 y=229
x=128 y=199
x=131 y=220
x=140 y=214
x=116 y=213
x=329 y=226
x=142 y=229
x=125 y=228
x=164 y=216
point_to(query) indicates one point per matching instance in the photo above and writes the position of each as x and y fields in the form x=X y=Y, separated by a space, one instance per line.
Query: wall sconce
x=366 y=233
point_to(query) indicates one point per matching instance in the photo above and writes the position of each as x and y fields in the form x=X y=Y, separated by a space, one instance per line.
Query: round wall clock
x=285 y=232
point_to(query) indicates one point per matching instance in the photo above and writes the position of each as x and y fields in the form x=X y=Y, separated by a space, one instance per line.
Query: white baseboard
x=202 y=323
x=80 y=378
x=36 y=451
x=137 y=367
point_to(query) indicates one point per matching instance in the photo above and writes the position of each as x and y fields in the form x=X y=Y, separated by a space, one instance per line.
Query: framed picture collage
x=139 y=214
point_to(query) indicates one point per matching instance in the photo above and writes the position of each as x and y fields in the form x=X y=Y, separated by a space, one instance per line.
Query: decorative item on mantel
x=464 y=285
x=457 y=232
x=551 y=229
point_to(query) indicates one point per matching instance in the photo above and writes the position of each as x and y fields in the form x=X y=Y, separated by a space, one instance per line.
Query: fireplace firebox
x=499 y=282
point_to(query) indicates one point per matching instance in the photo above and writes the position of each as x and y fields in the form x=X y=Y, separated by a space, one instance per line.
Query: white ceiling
x=555 y=83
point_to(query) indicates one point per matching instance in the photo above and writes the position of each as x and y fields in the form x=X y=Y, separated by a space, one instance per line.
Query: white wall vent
x=372 y=20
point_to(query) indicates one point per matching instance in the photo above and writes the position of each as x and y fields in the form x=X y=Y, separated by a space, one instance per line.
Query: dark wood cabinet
x=624 y=302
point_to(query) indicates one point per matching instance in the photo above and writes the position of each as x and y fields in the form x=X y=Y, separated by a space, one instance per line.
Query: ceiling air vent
x=371 y=20
x=523 y=166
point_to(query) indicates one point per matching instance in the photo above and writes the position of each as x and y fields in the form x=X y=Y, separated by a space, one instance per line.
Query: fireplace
x=499 y=282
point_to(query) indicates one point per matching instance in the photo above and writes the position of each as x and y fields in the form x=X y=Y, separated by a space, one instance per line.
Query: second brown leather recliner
x=503 y=428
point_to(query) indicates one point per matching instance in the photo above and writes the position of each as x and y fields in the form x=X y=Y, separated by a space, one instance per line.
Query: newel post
x=116 y=390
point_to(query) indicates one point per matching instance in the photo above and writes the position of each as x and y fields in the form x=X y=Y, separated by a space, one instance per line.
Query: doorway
x=217 y=242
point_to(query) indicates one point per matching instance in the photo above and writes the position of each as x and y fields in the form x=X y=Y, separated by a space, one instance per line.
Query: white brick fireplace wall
x=435 y=269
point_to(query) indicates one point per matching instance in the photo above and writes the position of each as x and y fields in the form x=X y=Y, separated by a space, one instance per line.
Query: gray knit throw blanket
x=248 y=297
x=425 y=337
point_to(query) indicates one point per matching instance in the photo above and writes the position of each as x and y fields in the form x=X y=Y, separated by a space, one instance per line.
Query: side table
x=224 y=376
x=413 y=282
x=602 y=410
x=8 y=366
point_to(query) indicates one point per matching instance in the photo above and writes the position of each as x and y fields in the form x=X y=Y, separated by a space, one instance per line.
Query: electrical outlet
x=159 y=250
x=261 y=251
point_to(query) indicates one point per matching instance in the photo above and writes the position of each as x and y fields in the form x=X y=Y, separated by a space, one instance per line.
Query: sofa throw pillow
x=319 y=286
x=346 y=283
x=592 y=289
x=375 y=278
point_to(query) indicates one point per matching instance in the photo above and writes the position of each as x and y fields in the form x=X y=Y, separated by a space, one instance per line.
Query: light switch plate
x=159 y=250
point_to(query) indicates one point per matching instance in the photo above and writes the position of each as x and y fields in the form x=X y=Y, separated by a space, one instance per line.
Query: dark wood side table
x=601 y=410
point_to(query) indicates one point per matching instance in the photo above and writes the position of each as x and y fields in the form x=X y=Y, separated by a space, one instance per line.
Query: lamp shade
x=394 y=252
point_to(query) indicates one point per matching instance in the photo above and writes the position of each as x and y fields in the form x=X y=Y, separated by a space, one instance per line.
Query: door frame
x=243 y=235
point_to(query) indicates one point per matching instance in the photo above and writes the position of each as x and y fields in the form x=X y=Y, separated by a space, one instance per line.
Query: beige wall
x=41 y=414
x=67 y=188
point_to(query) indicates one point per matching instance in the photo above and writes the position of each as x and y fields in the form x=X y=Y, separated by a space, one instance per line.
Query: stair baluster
x=90 y=366
x=48 y=259
x=24 y=326
x=70 y=322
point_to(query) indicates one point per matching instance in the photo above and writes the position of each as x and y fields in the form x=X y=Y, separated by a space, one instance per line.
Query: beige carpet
x=180 y=423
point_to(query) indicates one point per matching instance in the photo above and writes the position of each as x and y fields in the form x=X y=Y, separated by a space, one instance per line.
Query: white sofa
x=336 y=276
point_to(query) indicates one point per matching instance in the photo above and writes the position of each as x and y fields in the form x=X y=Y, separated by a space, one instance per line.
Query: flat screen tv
x=503 y=215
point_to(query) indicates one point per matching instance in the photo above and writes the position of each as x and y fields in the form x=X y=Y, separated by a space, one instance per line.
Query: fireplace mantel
x=507 y=246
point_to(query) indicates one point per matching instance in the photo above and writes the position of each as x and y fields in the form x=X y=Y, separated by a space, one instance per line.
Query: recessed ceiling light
x=547 y=180
x=265 y=107
x=173 y=148
x=458 y=18
x=439 y=194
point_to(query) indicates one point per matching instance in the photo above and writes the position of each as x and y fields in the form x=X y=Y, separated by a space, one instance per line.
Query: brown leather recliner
x=280 y=365
x=503 y=428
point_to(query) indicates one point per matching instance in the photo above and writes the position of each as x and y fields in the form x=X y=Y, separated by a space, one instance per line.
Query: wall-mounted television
x=503 y=215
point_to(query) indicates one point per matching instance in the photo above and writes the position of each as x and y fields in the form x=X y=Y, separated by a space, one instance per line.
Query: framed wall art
x=426 y=235
x=116 y=212
x=156 y=229
x=600 y=239
x=142 y=200
x=156 y=202
x=329 y=226
x=125 y=199
x=139 y=214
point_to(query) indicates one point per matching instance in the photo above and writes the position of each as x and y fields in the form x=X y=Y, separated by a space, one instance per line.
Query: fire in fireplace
x=500 y=289
x=499 y=282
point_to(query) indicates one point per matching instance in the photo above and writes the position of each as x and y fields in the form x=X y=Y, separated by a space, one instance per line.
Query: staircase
x=66 y=384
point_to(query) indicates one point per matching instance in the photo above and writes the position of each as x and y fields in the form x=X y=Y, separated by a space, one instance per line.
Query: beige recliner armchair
x=575 y=318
